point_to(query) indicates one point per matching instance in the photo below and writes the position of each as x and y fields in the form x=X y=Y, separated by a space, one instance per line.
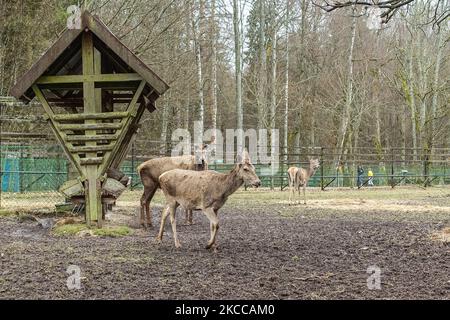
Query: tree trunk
x=238 y=65
x=434 y=101
x=412 y=101
x=286 y=87
x=214 y=67
x=164 y=126
x=198 y=60
x=262 y=78
x=349 y=92
x=273 y=84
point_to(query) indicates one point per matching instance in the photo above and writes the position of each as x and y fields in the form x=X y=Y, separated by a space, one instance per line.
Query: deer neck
x=232 y=182
x=311 y=172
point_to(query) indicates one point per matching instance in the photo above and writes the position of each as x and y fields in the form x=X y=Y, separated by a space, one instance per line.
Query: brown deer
x=150 y=171
x=299 y=177
x=203 y=190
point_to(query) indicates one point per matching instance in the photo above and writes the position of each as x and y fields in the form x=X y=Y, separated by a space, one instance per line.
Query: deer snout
x=257 y=183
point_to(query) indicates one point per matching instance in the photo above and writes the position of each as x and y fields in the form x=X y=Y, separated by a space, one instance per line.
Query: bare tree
x=349 y=89
x=262 y=77
x=286 y=83
x=388 y=7
x=238 y=63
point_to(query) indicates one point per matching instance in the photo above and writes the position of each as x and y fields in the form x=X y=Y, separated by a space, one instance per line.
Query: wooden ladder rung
x=94 y=160
x=72 y=138
x=78 y=149
x=90 y=126
x=90 y=116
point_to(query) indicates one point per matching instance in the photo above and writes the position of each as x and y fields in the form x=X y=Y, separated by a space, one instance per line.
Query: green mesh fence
x=32 y=174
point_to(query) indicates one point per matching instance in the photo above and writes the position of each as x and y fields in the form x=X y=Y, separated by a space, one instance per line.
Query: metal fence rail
x=32 y=173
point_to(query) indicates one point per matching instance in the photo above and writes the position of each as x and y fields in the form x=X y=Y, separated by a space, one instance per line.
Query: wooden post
x=133 y=170
x=91 y=105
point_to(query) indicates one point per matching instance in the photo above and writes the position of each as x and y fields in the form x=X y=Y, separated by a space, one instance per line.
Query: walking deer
x=150 y=171
x=299 y=177
x=203 y=190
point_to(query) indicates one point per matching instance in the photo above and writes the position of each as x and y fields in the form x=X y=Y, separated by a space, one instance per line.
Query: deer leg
x=173 y=222
x=290 y=193
x=304 y=192
x=214 y=223
x=298 y=194
x=188 y=217
x=144 y=198
x=148 y=211
x=163 y=221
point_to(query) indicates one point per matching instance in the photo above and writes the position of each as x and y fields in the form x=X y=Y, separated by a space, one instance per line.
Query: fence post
x=21 y=178
x=282 y=171
x=425 y=169
x=392 y=168
x=321 y=168
x=133 y=171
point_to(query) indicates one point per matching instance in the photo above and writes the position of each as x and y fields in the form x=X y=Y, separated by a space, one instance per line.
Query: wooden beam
x=43 y=101
x=113 y=77
x=91 y=161
x=90 y=126
x=59 y=135
x=101 y=31
x=94 y=148
x=93 y=197
x=30 y=77
x=97 y=137
x=90 y=116
x=132 y=109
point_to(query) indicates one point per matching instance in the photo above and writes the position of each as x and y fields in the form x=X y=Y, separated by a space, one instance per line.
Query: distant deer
x=299 y=177
x=150 y=171
x=203 y=190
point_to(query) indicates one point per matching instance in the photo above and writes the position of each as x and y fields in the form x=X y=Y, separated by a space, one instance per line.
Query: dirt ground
x=267 y=250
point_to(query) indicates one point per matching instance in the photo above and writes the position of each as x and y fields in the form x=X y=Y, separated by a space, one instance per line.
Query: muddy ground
x=267 y=250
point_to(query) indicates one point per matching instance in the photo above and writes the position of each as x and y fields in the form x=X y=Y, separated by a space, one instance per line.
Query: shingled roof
x=64 y=57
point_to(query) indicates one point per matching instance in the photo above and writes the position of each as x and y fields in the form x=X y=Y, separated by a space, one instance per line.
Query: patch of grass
x=69 y=229
x=108 y=231
x=7 y=212
x=116 y=231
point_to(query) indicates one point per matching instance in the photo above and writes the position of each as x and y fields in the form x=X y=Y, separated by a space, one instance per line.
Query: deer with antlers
x=150 y=171
x=203 y=190
x=299 y=177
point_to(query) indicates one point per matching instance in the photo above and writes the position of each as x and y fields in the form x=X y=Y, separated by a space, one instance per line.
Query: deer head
x=246 y=170
x=314 y=164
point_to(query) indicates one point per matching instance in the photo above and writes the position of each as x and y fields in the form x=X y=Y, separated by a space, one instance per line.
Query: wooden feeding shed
x=94 y=91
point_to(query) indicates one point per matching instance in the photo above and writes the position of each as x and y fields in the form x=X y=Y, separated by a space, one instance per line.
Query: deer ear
x=238 y=158
x=245 y=156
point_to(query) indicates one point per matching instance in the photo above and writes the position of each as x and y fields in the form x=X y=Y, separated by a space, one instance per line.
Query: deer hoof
x=178 y=245
x=158 y=240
